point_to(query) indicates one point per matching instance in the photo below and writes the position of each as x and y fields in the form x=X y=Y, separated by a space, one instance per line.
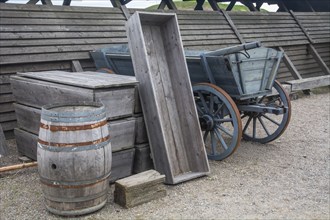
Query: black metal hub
x=207 y=122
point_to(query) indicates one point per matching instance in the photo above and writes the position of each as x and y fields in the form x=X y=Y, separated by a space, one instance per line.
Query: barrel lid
x=88 y=79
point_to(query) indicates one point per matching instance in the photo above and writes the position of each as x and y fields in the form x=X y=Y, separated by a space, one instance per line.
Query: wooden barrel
x=74 y=157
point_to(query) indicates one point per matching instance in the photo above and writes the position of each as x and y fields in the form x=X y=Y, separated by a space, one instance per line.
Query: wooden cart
x=235 y=91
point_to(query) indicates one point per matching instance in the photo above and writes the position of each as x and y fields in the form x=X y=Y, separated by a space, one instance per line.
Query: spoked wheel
x=220 y=120
x=266 y=127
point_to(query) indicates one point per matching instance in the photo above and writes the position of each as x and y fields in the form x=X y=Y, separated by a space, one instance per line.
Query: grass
x=190 y=5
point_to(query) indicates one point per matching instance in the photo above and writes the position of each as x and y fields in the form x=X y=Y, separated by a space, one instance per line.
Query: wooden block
x=122 y=133
x=142 y=158
x=116 y=93
x=166 y=96
x=141 y=135
x=122 y=161
x=140 y=188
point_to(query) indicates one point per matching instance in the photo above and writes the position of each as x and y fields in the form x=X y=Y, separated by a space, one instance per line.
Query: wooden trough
x=166 y=96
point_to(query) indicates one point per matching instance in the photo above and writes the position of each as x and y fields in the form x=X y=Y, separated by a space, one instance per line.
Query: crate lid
x=86 y=79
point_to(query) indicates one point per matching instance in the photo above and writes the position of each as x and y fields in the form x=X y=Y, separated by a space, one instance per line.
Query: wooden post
x=3 y=144
x=67 y=2
x=231 y=5
x=249 y=5
x=46 y=2
x=199 y=5
x=290 y=65
x=169 y=3
x=32 y=2
x=214 y=5
x=76 y=66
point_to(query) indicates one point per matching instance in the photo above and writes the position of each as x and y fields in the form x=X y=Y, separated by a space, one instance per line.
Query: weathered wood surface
x=122 y=131
x=119 y=101
x=166 y=96
x=122 y=164
x=139 y=188
x=88 y=79
x=3 y=145
x=141 y=135
x=142 y=158
x=122 y=161
x=122 y=134
x=309 y=83
x=272 y=29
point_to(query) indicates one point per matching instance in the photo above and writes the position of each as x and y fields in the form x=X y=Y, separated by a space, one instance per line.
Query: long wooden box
x=122 y=131
x=116 y=92
x=122 y=161
x=166 y=96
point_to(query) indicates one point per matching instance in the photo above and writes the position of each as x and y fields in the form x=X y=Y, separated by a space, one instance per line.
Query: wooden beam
x=115 y=3
x=3 y=144
x=290 y=66
x=32 y=2
x=258 y=5
x=169 y=3
x=214 y=5
x=301 y=27
x=233 y=27
x=199 y=5
x=76 y=66
x=309 y=6
x=125 y=11
x=249 y=5
x=231 y=5
x=46 y=2
x=318 y=58
x=66 y=2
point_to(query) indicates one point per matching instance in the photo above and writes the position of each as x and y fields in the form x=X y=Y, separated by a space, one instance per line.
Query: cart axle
x=262 y=109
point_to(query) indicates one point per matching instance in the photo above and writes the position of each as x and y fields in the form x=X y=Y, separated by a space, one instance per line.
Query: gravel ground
x=285 y=179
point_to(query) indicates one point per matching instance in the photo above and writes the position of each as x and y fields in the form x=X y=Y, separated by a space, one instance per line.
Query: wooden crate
x=122 y=131
x=166 y=96
x=122 y=161
x=116 y=92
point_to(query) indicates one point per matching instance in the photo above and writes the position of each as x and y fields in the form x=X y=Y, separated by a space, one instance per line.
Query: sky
x=132 y=4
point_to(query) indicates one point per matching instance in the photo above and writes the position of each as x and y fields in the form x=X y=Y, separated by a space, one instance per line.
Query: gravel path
x=286 y=179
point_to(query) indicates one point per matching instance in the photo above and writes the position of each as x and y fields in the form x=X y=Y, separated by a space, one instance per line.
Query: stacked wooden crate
x=116 y=92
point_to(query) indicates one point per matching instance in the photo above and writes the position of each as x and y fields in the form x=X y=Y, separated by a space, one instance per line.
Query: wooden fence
x=38 y=38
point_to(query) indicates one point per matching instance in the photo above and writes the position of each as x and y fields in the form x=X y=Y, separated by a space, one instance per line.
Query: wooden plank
x=87 y=79
x=318 y=59
x=142 y=158
x=7 y=116
x=122 y=134
x=5 y=88
x=3 y=145
x=59 y=21
x=141 y=135
x=5 y=98
x=76 y=66
x=26 y=143
x=174 y=139
x=28 y=118
x=8 y=125
x=56 y=34
x=62 y=28
x=309 y=83
x=6 y=107
x=139 y=188
x=27 y=91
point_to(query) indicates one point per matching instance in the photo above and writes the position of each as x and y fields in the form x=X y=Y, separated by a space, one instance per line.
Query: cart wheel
x=266 y=127
x=220 y=120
